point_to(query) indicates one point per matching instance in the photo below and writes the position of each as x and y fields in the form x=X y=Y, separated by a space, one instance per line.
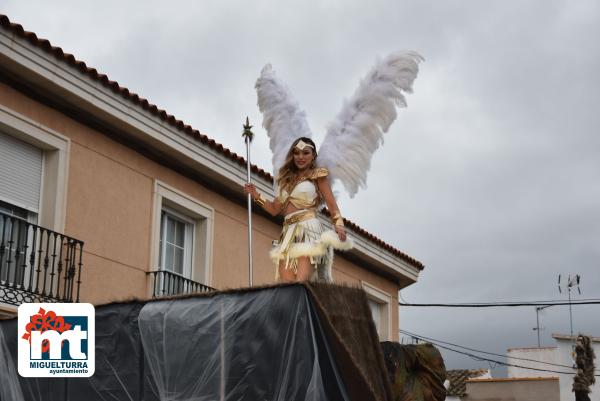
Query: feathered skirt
x=303 y=235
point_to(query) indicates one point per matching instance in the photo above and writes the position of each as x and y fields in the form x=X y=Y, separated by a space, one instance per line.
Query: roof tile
x=458 y=377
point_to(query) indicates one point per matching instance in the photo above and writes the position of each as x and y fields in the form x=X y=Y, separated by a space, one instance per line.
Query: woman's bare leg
x=286 y=275
x=305 y=269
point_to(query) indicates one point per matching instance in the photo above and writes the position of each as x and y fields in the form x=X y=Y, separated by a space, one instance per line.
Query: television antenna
x=571 y=283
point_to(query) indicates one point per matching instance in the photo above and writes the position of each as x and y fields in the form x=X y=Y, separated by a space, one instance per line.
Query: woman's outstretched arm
x=273 y=208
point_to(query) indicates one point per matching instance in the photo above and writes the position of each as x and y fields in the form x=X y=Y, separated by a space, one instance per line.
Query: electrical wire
x=485 y=352
x=508 y=304
x=479 y=358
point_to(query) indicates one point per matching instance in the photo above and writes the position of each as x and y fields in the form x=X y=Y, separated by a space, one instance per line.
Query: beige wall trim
x=165 y=195
x=55 y=167
x=66 y=83
x=383 y=298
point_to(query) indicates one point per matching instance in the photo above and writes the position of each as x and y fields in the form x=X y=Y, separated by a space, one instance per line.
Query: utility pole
x=537 y=319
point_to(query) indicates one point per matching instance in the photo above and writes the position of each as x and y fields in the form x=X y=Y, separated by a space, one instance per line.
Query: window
x=182 y=238
x=380 y=305
x=176 y=242
x=376 y=313
x=20 y=190
x=20 y=177
x=33 y=170
x=33 y=190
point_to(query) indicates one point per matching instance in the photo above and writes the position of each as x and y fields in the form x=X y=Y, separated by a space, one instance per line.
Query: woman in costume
x=303 y=249
x=303 y=181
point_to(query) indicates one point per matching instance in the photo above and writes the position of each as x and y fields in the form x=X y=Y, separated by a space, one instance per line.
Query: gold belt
x=307 y=215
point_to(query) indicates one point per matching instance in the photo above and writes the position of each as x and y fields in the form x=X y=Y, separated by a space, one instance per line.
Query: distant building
x=537 y=374
x=512 y=389
x=561 y=354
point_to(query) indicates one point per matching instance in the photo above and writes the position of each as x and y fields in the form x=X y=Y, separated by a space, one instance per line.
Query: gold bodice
x=304 y=193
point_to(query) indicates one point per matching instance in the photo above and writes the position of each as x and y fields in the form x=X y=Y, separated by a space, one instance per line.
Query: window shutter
x=20 y=173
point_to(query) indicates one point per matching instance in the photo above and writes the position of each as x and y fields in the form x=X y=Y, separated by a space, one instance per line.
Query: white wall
x=546 y=354
x=560 y=355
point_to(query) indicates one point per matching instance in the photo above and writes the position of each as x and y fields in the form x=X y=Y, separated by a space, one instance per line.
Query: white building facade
x=547 y=358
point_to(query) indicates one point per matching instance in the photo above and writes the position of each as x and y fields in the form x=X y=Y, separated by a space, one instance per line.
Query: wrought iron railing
x=37 y=264
x=166 y=283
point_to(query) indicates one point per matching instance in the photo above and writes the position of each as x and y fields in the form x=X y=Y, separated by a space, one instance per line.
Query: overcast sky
x=490 y=177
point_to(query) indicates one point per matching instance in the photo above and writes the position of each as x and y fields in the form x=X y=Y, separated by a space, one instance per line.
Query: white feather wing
x=282 y=117
x=357 y=131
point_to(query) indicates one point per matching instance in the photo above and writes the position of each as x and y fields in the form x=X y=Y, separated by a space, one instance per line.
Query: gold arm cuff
x=337 y=220
x=260 y=201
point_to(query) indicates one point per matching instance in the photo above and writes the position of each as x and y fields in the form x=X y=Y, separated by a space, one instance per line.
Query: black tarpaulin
x=256 y=344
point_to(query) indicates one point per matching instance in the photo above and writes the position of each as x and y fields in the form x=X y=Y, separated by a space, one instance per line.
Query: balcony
x=37 y=264
x=167 y=283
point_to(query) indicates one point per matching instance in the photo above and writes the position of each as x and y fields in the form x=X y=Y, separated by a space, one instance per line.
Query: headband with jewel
x=301 y=145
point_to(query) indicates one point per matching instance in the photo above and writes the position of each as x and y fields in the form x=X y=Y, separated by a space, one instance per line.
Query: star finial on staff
x=247 y=132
